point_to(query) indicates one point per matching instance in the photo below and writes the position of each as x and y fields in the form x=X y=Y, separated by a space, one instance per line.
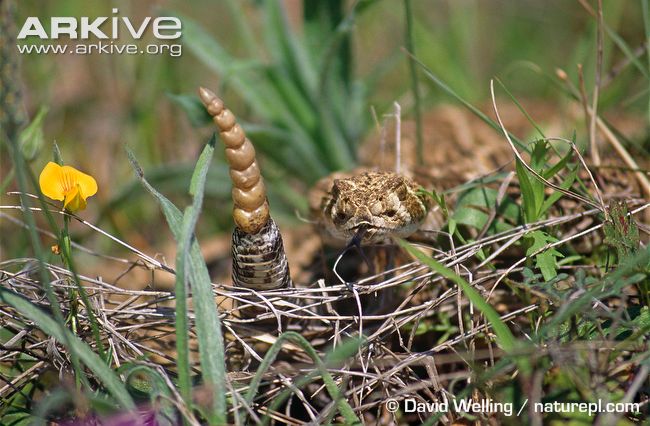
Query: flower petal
x=50 y=181
x=87 y=183
x=74 y=200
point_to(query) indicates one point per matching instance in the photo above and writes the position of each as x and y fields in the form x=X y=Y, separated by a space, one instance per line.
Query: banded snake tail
x=259 y=259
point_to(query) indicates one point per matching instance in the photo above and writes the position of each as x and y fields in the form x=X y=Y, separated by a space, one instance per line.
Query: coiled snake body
x=370 y=207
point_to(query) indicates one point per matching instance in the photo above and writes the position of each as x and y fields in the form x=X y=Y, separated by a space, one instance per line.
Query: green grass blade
x=85 y=353
x=538 y=162
x=553 y=170
x=566 y=184
x=197 y=184
x=243 y=28
x=208 y=325
x=208 y=328
x=287 y=49
x=504 y=337
x=645 y=8
x=172 y=214
x=280 y=94
x=299 y=107
x=182 y=320
x=343 y=352
x=521 y=108
x=327 y=25
x=629 y=54
x=410 y=46
x=183 y=268
x=328 y=33
x=335 y=146
x=243 y=75
x=527 y=193
x=451 y=92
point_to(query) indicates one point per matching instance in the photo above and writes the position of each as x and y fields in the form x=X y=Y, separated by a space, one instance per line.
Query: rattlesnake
x=370 y=207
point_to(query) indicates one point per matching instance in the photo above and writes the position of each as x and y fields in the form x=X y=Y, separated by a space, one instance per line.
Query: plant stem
x=414 y=82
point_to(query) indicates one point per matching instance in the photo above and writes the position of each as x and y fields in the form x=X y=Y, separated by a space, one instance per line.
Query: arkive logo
x=103 y=27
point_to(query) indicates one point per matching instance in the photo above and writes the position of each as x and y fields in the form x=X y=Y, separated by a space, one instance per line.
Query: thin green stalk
x=451 y=92
x=66 y=251
x=20 y=166
x=414 y=81
x=64 y=246
x=645 y=8
x=66 y=255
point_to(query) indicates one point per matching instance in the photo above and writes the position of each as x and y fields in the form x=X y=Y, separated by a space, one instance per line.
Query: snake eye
x=390 y=213
x=341 y=216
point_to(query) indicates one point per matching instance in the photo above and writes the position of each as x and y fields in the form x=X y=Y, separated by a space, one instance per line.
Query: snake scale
x=369 y=207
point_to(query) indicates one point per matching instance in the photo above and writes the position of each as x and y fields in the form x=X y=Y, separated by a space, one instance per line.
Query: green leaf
x=474 y=204
x=527 y=193
x=470 y=216
x=642 y=320
x=546 y=260
x=612 y=284
x=184 y=240
x=197 y=184
x=553 y=170
x=538 y=163
x=547 y=263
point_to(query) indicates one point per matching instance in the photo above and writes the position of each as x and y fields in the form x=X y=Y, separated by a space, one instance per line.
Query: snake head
x=377 y=204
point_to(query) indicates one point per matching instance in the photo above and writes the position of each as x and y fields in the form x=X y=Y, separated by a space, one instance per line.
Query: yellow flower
x=68 y=184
